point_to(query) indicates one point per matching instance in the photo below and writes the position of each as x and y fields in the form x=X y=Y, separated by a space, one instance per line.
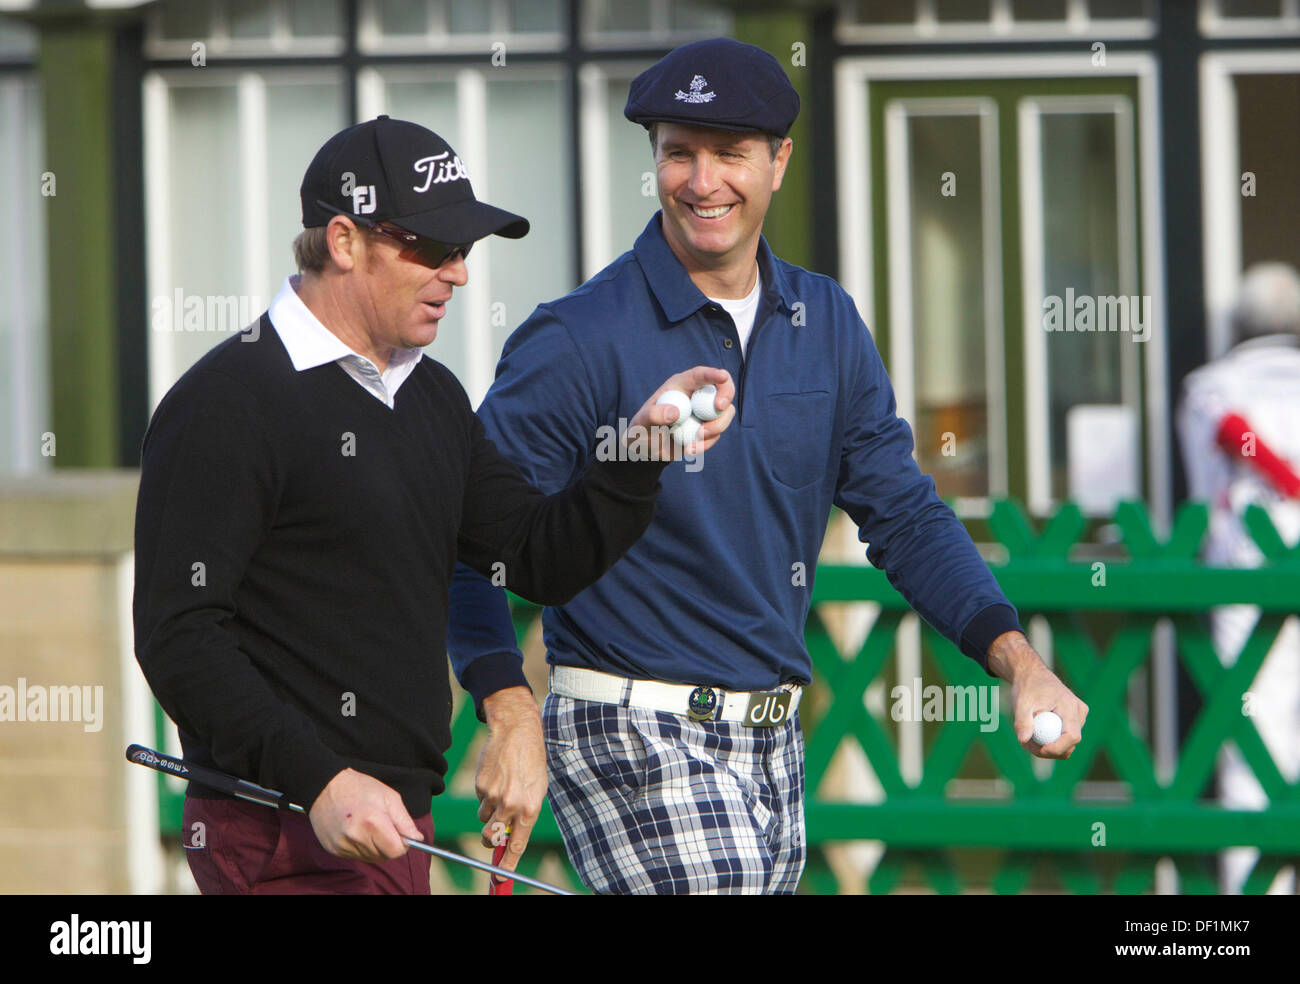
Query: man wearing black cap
x=671 y=726
x=306 y=489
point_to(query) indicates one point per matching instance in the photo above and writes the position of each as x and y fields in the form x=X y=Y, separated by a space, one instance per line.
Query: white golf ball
x=679 y=400
x=685 y=431
x=1047 y=727
x=702 y=404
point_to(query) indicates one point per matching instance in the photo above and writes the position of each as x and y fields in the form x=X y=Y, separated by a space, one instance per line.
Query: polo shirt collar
x=672 y=285
x=308 y=342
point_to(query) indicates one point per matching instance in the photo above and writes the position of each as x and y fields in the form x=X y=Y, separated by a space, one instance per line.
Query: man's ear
x=782 y=159
x=344 y=242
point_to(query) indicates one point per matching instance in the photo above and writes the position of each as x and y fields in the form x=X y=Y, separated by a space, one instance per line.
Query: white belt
x=673 y=698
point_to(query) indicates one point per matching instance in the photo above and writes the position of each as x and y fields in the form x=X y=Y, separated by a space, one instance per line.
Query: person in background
x=1239 y=426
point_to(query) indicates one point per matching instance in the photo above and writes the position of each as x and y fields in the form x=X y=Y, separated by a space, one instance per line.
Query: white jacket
x=1260 y=380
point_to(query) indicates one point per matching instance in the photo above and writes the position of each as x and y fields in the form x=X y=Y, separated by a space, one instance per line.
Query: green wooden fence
x=1097 y=822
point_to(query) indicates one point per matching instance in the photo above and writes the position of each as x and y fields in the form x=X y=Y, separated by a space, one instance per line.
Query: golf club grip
x=219 y=781
x=251 y=791
x=496 y=884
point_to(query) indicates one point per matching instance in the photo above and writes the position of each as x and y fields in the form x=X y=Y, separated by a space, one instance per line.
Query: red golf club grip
x=500 y=886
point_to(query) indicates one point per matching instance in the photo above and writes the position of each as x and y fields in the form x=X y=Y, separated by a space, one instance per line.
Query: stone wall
x=73 y=817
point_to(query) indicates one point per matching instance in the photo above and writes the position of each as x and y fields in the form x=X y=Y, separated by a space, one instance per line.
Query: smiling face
x=715 y=187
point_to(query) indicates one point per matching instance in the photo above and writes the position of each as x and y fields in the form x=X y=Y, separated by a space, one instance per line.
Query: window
x=224 y=156
x=427 y=26
x=945 y=272
x=657 y=23
x=245 y=28
x=618 y=167
x=912 y=21
x=1241 y=18
x=1083 y=313
x=24 y=375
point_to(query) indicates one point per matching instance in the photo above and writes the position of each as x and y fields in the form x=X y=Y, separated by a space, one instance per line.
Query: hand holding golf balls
x=692 y=412
x=689 y=412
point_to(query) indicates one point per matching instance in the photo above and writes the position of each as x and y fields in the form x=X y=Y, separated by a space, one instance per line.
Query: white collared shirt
x=310 y=344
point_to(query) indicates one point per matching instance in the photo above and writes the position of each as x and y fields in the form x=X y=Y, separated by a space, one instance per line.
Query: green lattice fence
x=969 y=809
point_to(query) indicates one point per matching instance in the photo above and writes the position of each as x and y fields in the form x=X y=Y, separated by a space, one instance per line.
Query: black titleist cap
x=402 y=173
x=718 y=83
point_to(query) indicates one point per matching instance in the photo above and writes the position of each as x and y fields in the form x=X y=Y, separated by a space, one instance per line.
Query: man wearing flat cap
x=306 y=489
x=672 y=727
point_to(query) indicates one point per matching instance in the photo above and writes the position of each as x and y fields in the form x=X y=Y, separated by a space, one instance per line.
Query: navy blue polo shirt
x=718 y=589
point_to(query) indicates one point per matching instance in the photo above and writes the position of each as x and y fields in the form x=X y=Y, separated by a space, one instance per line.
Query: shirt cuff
x=987 y=625
x=490 y=673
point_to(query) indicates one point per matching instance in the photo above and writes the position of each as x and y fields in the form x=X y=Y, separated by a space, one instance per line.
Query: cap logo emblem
x=363 y=199
x=697 y=93
x=438 y=170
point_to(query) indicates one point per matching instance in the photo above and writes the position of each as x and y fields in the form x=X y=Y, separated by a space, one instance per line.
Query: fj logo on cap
x=697 y=93
x=363 y=199
x=438 y=170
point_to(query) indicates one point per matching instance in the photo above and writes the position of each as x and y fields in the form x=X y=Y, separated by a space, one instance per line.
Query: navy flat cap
x=717 y=83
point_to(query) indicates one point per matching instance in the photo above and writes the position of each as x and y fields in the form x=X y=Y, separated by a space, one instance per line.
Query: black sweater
x=295 y=540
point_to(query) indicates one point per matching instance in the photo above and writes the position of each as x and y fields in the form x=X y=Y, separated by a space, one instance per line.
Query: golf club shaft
x=254 y=793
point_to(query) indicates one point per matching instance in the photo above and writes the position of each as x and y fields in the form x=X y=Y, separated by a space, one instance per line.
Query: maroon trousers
x=245 y=849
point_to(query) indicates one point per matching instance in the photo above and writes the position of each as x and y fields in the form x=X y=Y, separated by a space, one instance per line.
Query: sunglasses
x=418 y=249
x=415 y=248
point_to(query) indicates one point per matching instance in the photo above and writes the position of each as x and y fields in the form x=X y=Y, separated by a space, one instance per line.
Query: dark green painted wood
x=76 y=60
x=788 y=225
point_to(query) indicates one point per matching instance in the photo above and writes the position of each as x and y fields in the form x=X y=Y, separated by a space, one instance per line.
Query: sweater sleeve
x=209 y=485
x=547 y=440
x=551 y=547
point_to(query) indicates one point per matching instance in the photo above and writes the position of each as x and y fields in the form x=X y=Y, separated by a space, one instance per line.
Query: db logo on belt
x=768 y=709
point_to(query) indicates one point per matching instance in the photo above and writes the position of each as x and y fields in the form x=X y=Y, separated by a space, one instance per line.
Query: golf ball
x=1047 y=727
x=685 y=431
x=702 y=402
x=679 y=400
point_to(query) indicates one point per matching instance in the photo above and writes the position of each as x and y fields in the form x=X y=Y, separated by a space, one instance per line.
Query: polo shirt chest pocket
x=797 y=436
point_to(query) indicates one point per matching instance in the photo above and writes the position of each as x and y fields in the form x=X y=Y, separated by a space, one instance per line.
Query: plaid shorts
x=656 y=803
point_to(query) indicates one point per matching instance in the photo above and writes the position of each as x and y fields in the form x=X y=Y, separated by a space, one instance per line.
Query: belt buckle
x=702 y=703
x=768 y=708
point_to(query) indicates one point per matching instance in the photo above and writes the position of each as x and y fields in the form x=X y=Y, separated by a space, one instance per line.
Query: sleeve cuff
x=987 y=625
x=311 y=766
x=490 y=673
x=635 y=478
